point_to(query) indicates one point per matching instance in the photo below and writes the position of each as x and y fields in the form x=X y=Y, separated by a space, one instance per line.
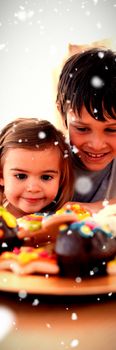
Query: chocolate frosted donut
x=83 y=249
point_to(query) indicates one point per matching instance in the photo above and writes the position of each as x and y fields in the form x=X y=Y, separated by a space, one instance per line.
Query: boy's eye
x=82 y=129
x=21 y=176
x=46 y=177
x=110 y=130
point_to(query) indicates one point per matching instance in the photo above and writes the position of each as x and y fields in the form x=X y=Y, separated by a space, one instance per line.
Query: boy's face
x=95 y=140
x=31 y=178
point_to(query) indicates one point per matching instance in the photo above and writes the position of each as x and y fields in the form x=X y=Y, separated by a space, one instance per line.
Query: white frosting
x=107 y=216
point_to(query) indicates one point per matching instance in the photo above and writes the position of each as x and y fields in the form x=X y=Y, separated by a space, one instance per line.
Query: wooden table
x=49 y=322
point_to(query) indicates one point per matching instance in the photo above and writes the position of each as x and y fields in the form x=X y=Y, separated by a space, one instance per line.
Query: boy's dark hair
x=89 y=79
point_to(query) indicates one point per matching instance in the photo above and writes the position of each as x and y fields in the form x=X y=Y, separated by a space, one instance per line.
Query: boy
x=86 y=100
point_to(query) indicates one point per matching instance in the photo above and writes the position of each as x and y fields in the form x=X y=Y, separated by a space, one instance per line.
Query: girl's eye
x=21 y=176
x=46 y=177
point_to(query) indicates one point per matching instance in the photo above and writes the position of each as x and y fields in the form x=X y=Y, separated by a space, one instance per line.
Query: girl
x=35 y=167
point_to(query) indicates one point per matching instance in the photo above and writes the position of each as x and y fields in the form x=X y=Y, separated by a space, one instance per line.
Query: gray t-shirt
x=94 y=186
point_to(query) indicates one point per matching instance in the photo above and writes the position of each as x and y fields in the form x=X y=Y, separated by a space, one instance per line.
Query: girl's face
x=31 y=178
x=95 y=140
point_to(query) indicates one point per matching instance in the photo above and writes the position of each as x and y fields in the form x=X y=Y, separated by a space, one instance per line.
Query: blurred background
x=36 y=36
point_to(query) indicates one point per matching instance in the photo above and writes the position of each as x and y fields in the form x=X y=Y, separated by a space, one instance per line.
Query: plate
x=49 y=285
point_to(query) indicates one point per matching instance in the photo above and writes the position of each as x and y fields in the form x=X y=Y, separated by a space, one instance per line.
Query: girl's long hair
x=32 y=133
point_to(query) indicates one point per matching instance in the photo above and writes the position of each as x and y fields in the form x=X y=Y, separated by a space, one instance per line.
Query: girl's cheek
x=10 y=186
x=8 y=189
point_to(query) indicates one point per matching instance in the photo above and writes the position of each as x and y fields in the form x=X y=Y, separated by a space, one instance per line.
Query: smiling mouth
x=32 y=199
x=95 y=156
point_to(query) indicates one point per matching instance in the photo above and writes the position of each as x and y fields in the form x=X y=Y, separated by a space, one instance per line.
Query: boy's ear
x=1 y=182
x=62 y=121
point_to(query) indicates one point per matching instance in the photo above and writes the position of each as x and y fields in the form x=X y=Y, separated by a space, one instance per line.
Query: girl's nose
x=33 y=186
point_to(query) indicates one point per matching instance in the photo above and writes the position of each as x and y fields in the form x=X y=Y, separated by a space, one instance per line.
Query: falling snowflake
x=7 y=318
x=2 y=46
x=91 y=273
x=62 y=342
x=78 y=279
x=40 y=10
x=48 y=325
x=97 y=82
x=74 y=343
x=99 y=25
x=55 y=10
x=105 y=203
x=95 y=110
x=95 y=2
x=35 y=302
x=26 y=49
x=73 y=118
x=41 y=135
x=20 y=140
x=23 y=15
x=83 y=185
x=100 y=54
x=4 y=280
x=66 y=153
x=22 y=294
x=4 y=245
x=74 y=149
x=74 y=316
x=87 y=13
x=69 y=232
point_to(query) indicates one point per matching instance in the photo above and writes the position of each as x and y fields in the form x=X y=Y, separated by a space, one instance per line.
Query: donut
x=8 y=231
x=29 y=260
x=70 y=242
x=36 y=228
x=80 y=212
x=39 y=228
x=84 y=248
x=111 y=267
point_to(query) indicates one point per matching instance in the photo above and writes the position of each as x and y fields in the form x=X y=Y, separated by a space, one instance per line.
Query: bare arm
x=96 y=206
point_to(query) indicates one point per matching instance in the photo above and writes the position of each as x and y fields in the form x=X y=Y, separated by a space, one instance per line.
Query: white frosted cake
x=107 y=217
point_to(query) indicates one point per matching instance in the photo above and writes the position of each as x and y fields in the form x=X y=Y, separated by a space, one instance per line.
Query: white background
x=34 y=36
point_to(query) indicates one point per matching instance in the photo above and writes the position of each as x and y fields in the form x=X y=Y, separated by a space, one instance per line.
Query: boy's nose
x=97 y=143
